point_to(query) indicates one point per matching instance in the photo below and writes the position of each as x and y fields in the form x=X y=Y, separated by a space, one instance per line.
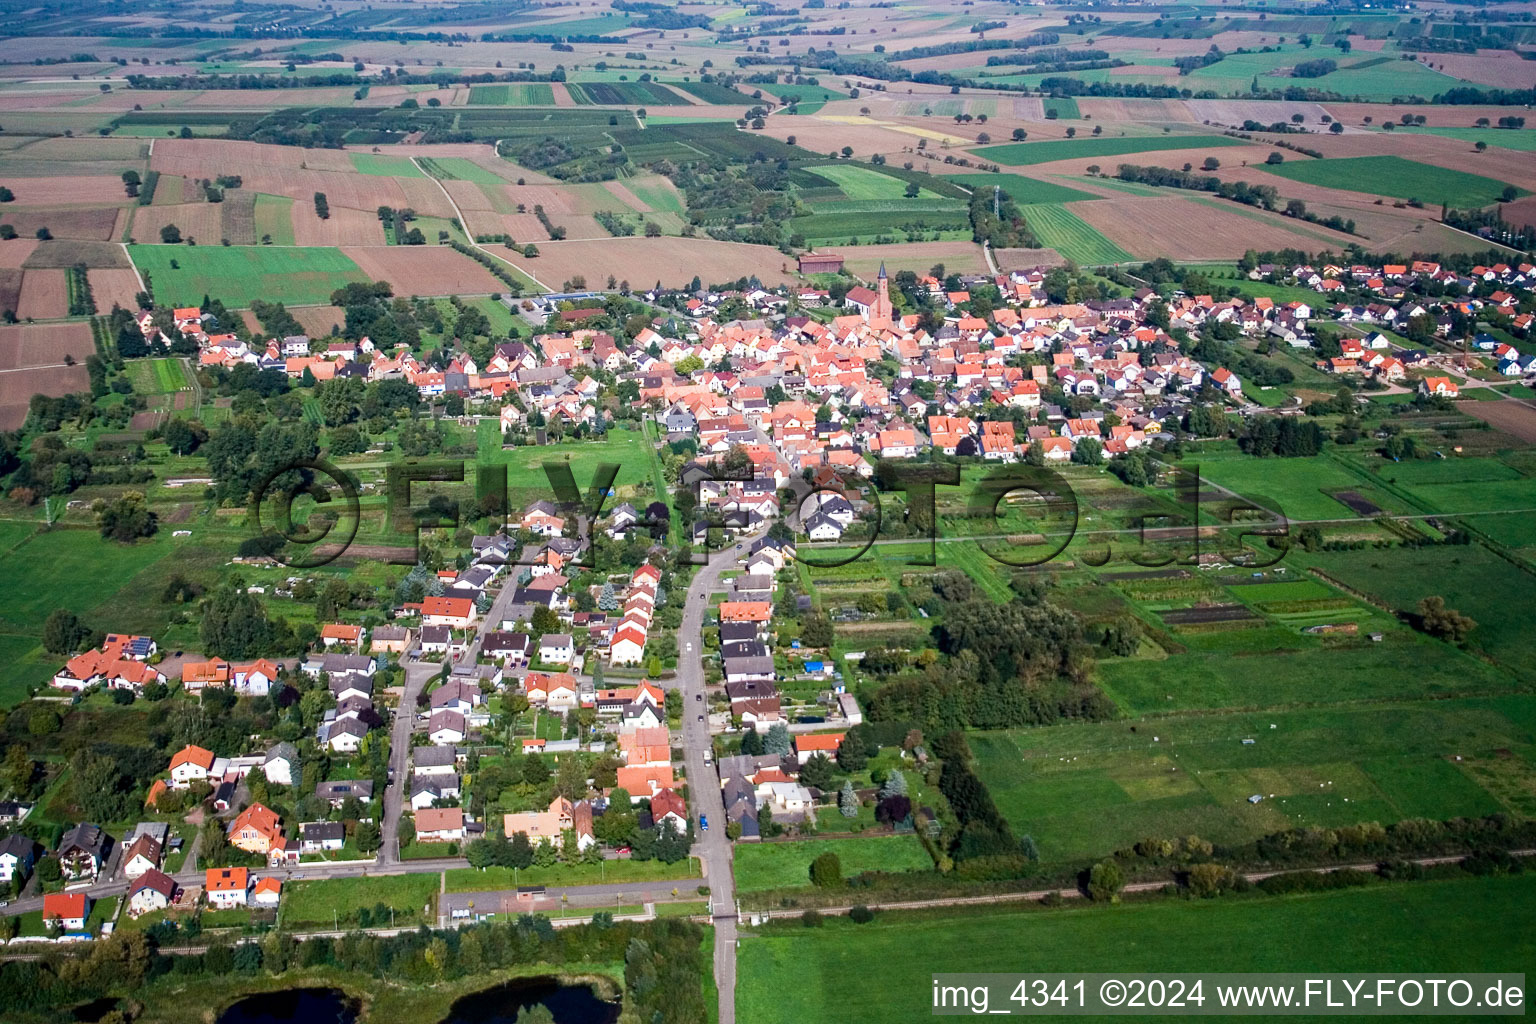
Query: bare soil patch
x=1516 y=417
x=200 y=221
x=425 y=270
x=643 y=261
x=44 y=295
x=59 y=255
x=31 y=345
x=15 y=252
x=113 y=287
x=80 y=222
x=345 y=226
x=960 y=257
x=17 y=388
x=1183 y=229
x=78 y=190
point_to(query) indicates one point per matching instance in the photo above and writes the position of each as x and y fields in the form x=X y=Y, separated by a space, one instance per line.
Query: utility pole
x=997 y=199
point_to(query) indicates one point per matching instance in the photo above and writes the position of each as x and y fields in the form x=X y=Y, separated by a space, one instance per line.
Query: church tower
x=882 y=312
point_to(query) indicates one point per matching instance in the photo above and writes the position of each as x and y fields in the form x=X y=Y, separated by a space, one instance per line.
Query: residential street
x=711 y=847
x=417 y=676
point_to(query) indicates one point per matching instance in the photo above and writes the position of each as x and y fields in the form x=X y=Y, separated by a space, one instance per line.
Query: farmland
x=1019 y=154
x=1062 y=230
x=527 y=94
x=1467 y=924
x=1395 y=176
x=182 y=275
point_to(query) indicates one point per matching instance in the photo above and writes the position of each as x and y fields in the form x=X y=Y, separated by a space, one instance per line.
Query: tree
x=1105 y=880
x=63 y=632
x=125 y=518
x=1019 y=135
x=1211 y=164
x=1445 y=623
x=1480 y=145
x=848 y=800
x=367 y=837
x=170 y=234
x=777 y=740
x=852 y=754
x=895 y=784
x=751 y=743
x=1337 y=128
x=817 y=772
x=826 y=871
x=519 y=851
x=1274 y=158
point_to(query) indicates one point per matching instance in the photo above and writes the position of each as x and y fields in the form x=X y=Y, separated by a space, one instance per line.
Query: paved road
x=711 y=847
x=417 y=676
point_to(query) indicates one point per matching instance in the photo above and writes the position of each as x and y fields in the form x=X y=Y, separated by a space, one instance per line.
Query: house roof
x=191 y=754
x=437 y=819
x=227 y=879
x=821 y=741
x=67 y=905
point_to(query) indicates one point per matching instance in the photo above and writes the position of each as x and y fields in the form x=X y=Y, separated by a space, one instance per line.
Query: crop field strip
x=1019 y=154
x=1070 y=235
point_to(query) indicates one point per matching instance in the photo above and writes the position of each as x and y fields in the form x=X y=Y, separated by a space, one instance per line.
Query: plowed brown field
x=425 y=270
x=44 y=295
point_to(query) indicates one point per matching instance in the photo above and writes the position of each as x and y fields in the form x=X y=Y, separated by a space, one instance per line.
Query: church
x=874 y=306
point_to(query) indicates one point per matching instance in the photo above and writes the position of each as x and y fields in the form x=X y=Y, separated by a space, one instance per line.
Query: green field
x=475 y=880
x=157 y=376
x=314 y=904
x=1022 y=190
x=1067 y=233
x=526 y=479
x=787 y=865
x=1061 y=106
x=794 y=973
x=513 y=94
x=1523 y=141
x=807 y=94
x=1020 y=154
x=457 y=168
x=1086 y=790
x=864 y=183
x=1300 y=489
x=1472 y=580
x=274 y=218
x=386 y=166
x=238 y=274
x=1396 y=177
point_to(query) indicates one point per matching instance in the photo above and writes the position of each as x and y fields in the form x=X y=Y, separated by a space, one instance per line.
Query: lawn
x=807 y=94
x=794 y=973
x=1086 y=790
x=1020 y=189
x=1067 y=233
x=527 y=480
x=386 y=166
x=84 y=571
x=1019 y=154
x=1396 y=177
x=787 y=865
x=322 y=902
x=475 y=880
x=238 y=274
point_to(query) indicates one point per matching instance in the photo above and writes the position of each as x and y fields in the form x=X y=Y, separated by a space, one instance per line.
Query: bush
x=861 y=914
x=812 y=919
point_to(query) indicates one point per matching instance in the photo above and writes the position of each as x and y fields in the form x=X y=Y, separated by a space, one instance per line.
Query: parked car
x=703 y=823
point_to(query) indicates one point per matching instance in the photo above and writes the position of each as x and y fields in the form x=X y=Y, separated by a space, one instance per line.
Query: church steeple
x=883 y=311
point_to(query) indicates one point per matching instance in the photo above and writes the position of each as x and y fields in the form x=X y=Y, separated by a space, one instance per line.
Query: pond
x=571 y=1004
x=290 y=1006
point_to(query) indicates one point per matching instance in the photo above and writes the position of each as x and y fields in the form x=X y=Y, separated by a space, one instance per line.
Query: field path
x=471 y=235
x=124 y=246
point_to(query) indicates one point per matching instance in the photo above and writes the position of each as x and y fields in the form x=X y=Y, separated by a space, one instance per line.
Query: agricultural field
x=1062 y=230
x=788 y=972
x=1021 y=154
x=1397 y=177
x=514 y=94
x=182 y=274
x=1022 y=190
